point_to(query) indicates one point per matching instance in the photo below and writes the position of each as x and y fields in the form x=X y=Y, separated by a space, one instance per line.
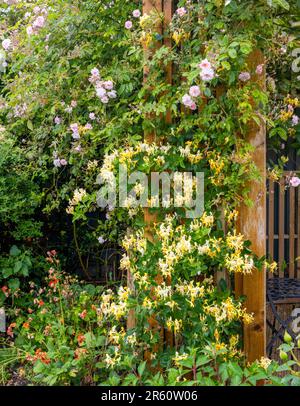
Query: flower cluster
x=207 y=72
x=189 y=99
x=104 y=88
x=39 y=21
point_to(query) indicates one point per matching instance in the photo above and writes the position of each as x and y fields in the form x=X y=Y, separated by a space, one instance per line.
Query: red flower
x=53 y=282
x=5 y=290
x=83 y=314
x=41 y=303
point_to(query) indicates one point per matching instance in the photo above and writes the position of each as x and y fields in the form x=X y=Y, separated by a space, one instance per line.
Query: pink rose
x=101 y=92
x=6 y=44
x=259 y=69
x=39 y=22
x=187 y=100
x=108 y=85
x=104 y=99
x=244 y=76
x=136 y=13
x=63 y=162
x=128 y=25
x=207 y=74
x=181 y=11
x=194 y=91
x=112 y=94
x=205 y=64
x=295 y=181
x=193 y=106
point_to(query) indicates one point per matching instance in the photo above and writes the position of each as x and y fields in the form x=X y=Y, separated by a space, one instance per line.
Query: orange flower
x=9 y=330
x=79 y=352
x=41 y=356
x=80 y=339
x=26 y=325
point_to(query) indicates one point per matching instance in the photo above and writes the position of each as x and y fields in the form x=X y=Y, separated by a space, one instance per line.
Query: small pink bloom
x=104 y=99
x=295 y=181
x=244 y=76
x=63 y=162
x=77 y=148
x=74 y=127
x=39 y=22
x=181 y=11
x=112 y=94
x=95 y=72
x=259 y=69
x=207 y=74
x=108 y=85
x=295 y=120
x=57 y=120
x=136 y=13
x=193 y=106
x=88 y=126
x=73 y=103
x=194 y=91
x=128 y=25
x=92 y=116
x=6 y=44
x=101 y=92
x=187 y=100
x=205 y=64
x=29 y=30
x=57 y=163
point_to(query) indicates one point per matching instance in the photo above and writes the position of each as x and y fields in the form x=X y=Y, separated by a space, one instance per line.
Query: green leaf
x=14 y=284
x=141 y=368
x=282 y=3
x=232 y=53
x=29 y=125
x=14 y=251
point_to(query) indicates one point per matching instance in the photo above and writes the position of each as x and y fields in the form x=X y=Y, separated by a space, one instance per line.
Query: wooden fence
x=283 y=229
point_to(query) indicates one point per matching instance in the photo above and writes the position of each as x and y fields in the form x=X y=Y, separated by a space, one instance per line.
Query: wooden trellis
x=252 y=219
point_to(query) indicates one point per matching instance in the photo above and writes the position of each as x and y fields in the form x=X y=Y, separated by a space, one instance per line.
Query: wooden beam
x=252 y=224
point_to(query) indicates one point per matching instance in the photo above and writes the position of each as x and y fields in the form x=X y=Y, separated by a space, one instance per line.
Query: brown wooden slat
x=271 y=223
x=253 y=226
x=298 y=232
x=292 y=234
x=281 y=229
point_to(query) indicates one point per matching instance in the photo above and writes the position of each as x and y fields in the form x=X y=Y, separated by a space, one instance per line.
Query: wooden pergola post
x=252 y=225
x=252 y=219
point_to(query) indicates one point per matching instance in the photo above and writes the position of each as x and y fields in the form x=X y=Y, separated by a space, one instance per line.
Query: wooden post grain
x=252 y=224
